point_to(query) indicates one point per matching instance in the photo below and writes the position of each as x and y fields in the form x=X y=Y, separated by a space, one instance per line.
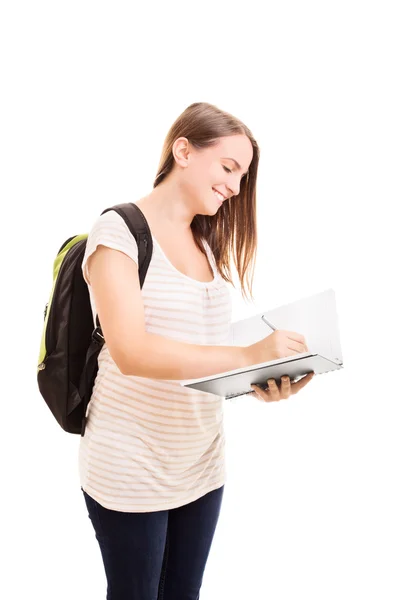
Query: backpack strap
x=139 y=228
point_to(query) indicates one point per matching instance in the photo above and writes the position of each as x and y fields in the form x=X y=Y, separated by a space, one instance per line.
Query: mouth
x=219 y=196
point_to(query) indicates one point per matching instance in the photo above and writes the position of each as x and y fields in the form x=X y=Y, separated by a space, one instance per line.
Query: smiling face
x=210 y=176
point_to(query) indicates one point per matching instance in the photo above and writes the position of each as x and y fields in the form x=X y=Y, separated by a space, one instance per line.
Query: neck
x=169 y=204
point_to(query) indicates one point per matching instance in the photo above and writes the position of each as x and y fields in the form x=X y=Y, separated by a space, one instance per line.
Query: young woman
x=152 y=458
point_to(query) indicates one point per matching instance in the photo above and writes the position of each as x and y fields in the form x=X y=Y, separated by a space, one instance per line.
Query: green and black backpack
x=70 y=344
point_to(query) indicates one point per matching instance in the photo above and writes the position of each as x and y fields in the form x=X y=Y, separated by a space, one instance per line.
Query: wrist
x=246 y=356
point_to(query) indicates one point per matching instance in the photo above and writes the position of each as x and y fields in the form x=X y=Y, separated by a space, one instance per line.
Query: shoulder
x=110 y=230
x=111 y=226
x=110 y=221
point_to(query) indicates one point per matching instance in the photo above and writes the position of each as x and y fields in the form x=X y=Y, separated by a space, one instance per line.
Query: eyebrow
x=236 y=163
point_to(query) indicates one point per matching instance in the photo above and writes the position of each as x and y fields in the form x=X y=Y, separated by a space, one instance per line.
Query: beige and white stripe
x=152 y=444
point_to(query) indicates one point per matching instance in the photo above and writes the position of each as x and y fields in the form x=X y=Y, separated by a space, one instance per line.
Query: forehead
x=238 y=147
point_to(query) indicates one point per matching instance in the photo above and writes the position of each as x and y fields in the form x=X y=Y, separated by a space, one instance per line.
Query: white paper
x=315 y=317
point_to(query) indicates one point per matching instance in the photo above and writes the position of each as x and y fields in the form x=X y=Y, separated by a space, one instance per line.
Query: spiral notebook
x=238 y=382
x=315 y=317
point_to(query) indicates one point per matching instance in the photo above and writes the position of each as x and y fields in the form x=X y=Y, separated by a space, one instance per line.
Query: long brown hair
x=232 y=232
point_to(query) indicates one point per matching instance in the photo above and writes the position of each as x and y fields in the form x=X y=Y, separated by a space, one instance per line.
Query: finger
x=263 y=395
x=274 y=390
x=296 y=387
x=285 y=387
x=298 y=348
x=297 y=342
x=296 y=337
x=256 y=392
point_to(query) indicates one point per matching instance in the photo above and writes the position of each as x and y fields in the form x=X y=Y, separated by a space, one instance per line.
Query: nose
x=234 y=187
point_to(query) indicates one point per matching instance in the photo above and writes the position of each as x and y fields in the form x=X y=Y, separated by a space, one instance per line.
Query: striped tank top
x=151 y=444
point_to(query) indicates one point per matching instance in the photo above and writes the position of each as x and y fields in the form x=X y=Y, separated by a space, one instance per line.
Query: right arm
x=114 y=279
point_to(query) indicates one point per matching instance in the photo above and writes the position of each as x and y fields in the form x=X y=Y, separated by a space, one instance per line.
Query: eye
x=227 y=170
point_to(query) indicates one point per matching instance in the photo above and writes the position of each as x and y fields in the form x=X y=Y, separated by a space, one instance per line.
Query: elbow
x=126 y=366
x=129 y=363
x=130 y=369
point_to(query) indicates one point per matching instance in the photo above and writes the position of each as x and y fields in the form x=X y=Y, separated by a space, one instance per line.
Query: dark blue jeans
x=156 y=555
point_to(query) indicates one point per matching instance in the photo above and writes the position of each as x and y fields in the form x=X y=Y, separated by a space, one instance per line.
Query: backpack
x=71 y=343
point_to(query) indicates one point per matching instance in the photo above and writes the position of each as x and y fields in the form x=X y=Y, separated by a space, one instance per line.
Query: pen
x=268 y=323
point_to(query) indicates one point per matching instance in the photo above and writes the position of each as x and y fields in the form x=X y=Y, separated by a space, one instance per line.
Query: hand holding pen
x=278 y=344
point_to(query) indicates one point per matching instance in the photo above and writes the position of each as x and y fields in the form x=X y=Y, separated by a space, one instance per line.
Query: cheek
x=203 y=178
x=196 y=184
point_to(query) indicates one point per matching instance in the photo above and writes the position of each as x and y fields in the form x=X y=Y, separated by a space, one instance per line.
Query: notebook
x=237 y=382
x=314 y=317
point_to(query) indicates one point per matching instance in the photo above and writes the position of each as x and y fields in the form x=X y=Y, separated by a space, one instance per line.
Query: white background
x=89 y=91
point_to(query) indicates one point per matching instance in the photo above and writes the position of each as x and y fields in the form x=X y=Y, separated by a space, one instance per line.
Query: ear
x=181 y=151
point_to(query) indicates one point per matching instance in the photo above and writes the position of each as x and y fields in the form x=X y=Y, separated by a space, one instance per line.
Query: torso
x=181 y=250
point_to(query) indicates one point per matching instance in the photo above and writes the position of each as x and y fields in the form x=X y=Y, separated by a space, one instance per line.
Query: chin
x=216 y=209
x=208 y=209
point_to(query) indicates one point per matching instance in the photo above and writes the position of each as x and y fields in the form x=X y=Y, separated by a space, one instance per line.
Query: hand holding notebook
x=275 y=391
